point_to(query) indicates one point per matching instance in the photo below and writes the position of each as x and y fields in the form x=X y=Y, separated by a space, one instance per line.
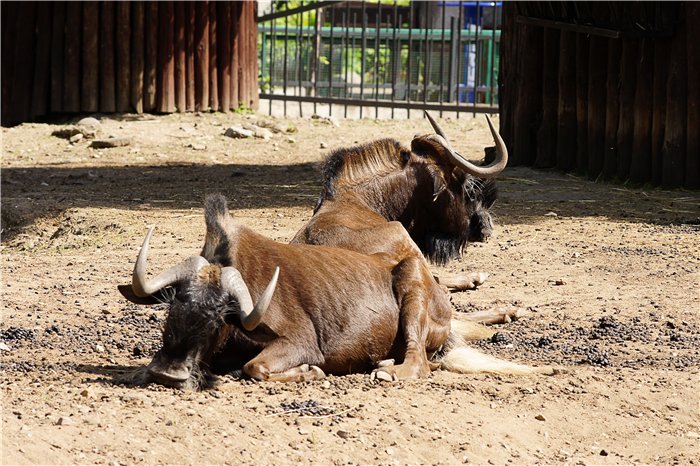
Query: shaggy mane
x=358 y=164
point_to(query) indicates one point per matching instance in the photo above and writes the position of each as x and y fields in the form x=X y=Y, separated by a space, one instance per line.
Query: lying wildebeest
x=332 y=310
x=441 y=200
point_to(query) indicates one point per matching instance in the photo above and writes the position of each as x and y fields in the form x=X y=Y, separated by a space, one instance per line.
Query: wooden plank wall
x=71 y=57
x=625 y=109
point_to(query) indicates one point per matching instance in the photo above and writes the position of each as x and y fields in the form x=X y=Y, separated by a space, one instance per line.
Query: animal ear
x=128 y=293
x=439 y=185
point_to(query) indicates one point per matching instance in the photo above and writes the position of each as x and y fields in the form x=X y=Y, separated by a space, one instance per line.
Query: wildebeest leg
x=283 y=362
x=463 y=282
x=499 y=315
x=424 y=320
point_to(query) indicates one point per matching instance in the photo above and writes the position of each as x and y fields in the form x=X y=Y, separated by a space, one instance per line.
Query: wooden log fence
x=614 y=102
x=71 y=57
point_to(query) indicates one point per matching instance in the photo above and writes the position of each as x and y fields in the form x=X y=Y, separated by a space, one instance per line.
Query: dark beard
x=440 y=248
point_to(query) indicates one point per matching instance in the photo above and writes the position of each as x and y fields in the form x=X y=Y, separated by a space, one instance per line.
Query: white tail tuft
x=470 y=330
x=470 y=361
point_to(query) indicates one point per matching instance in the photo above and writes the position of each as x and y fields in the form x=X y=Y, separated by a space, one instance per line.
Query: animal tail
x=217 y=217
x=458 y=357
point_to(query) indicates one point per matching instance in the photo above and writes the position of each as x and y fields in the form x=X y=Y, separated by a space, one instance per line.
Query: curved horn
x=143 y=287
x=488 y=171
x=232 y=282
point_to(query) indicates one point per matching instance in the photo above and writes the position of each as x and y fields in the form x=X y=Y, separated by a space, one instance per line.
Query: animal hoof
x=317 y=371
x=385 y=376
x=480 y=278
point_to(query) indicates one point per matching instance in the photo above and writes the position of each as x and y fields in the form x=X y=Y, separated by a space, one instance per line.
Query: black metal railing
x=400 y=55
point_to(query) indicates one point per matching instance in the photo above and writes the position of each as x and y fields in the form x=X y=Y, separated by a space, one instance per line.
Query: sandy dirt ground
x=610 y=275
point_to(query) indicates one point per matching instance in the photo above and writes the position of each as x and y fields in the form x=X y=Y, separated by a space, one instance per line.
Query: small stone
x=91 y=124
x=304 y=431
x=76 y=138
x=65 y=421
x=389 y=451
x=324 y=145
x=551 y=214
x=198 y=146
x=540 y=417
x=691 y=434
x=603 y=453
x=110 y=142
x=291 y=140
x=559 y=282
x=343 y=434
x=259 y=133
x=237 y=132
x=326 y=384
x=99 y=348
x=85 y=393
x=4 y=347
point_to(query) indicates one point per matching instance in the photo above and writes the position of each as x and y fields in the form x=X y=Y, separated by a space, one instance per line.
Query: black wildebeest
x=441 y=200
x=332 y=310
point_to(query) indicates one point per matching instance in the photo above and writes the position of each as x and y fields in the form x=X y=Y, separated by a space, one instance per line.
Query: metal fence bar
x=363 y=55
x=410 y=50
x=442 y=58
x=460 y=22
x=286 y=57
x=300 y=19
x=330 y=63
x=377 y=39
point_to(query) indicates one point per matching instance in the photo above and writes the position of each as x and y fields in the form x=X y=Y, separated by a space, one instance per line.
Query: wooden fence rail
x=621 y=105
x=69 y=57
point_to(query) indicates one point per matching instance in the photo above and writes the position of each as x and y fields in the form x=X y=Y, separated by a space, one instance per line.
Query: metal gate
x=359 y=57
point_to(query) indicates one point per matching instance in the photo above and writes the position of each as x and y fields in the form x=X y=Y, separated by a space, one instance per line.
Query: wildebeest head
x=463 y=193
x=203 y=299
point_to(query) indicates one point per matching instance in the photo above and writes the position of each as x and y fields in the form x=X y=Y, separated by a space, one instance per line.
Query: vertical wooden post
x=640 y=164
x=582 y=48
x=597 y=71
x=71 y=64
x=190 y=49
x=180 y=58
x=612 y=108
x=58 y=25
x=123 y=36
x=201 y=62
x=213 y=66
x=20 y=97
x=674 y=147
x=252 y=60
x=662 y=50
x=243 y=96
x=224 y=13
x=8 y=29
x=150 y=79
x=506 y=102
x=108 y=102
x=528 y=88
x=91 y=64
x=547 y=133
x=692 y=161
x=235 y=63
x=566 y=109
x=42 y=68
x=166 y=61
x=137 y=55
x=625 y=127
